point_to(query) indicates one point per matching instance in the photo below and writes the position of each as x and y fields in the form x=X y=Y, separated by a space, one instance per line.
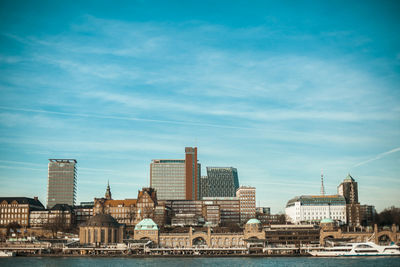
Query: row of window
x=4 y=222
x=14 y=210
x=13 y=216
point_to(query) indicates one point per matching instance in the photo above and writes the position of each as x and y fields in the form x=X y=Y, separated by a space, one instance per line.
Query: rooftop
x=308 y=200
x=22 y=200
x=146 y=224
x=348 y=179
x=252 y=221
x=63 y=160
x=102 y=220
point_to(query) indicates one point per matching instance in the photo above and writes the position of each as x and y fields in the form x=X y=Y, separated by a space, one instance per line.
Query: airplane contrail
x=379 y=156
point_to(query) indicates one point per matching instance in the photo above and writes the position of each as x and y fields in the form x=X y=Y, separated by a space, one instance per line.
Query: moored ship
x=357 y=249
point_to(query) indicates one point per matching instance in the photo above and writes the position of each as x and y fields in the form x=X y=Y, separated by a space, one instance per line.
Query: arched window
x=102 y=235
x=89 y=240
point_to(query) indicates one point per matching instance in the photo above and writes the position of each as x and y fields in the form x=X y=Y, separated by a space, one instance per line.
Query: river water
x=197 y=261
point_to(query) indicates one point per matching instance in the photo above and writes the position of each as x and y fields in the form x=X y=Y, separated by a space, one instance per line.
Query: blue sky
x=277 y=90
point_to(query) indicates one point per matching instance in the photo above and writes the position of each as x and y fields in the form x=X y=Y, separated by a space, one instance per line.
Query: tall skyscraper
x=220 y=182
x=192 y=173
x=348 y=188
x=176 y=179
x=61 y=186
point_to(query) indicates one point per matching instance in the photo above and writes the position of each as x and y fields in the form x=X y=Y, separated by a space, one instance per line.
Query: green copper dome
x=327 y=220
x=146 y=224
x=251 y=221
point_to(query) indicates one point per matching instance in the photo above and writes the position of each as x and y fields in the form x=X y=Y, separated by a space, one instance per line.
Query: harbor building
x=176 y=179
x=148 y=230
x=220 y=182
x=61 y=186
x=316 y=208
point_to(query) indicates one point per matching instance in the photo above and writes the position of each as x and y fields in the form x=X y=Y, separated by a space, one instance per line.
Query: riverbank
x=162 y=256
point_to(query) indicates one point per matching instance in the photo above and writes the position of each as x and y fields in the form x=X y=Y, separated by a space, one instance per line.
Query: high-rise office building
x=220 y=182
x=176 y=179
x=348 y=188
x=61 y=186
x=247 y=199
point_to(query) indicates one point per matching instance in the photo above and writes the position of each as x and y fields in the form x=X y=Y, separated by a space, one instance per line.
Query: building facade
x=83 y=213
x=130 y=211
x=247 y=199
x=147 y=229
x=220 y=182
x=349 y=190
x=18 y=210
x=229 y=209
x=292 y=234
x=175 y=179
x=315 y=208
x=61 y=216
x=61 y=186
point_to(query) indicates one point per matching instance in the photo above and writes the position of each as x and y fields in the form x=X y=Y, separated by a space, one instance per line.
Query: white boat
x=7 y=254
x=357 y=249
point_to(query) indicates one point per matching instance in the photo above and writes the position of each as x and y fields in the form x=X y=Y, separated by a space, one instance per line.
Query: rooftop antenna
x=322 y=184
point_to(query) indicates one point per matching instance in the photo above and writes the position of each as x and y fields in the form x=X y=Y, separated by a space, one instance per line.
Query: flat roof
x=62 y=160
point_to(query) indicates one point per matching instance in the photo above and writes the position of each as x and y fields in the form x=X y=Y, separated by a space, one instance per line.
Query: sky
x=279 y=90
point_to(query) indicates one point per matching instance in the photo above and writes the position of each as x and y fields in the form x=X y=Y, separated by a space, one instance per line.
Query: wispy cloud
x=379 y=156
x=277 y=101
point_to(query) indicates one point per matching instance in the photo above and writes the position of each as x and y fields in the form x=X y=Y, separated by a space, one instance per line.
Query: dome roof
x=146 y=224
x=102 y=220
x=327 y=220
x=251 y=221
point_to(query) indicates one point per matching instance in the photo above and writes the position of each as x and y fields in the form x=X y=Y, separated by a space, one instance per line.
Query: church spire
x=108 y=191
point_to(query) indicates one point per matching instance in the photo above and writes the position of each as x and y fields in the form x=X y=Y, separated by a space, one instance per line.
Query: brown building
x=192 y=173
x=130 y=211
x=349 y=189
x=292 y=234
x=18 y=209
x=229 y=208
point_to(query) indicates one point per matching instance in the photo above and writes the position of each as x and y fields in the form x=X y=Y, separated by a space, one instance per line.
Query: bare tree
x=12 y=226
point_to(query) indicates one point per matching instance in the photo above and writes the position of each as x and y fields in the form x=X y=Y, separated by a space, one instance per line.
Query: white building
x=315 y=208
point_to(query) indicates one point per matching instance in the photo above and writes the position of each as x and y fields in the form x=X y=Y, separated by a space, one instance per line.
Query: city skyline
x=277 y=90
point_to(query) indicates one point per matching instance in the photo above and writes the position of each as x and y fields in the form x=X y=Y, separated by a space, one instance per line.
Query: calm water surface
x=165 y=262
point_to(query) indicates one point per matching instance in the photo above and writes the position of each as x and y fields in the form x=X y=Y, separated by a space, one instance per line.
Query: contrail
x=379 y=156
x=126 y=118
